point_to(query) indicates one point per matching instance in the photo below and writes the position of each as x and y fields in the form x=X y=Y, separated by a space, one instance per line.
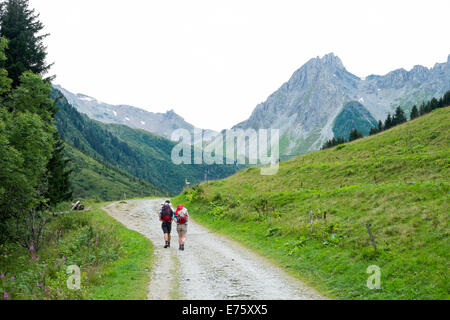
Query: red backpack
x=166 y=214
x=182 y=215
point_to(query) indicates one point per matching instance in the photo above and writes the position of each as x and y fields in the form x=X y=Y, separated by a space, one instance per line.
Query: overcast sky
x=214 y=61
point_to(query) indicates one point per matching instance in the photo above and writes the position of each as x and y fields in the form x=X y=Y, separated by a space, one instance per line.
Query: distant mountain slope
x=353 y=116
x=162 y=124
x=305 y=107
x=92 y=179
x=137 y=152
x=159 y=150
x=397 y=182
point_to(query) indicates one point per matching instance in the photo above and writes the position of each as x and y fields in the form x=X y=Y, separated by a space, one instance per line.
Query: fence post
x=311 y=220
x=371 y=236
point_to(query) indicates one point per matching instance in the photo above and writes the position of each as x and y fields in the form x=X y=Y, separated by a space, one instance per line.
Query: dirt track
x=211 y=268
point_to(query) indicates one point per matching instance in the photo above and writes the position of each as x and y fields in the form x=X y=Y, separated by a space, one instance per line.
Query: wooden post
x=271 y=214
x=371 y=236
x=325 y=215
x=311 y=220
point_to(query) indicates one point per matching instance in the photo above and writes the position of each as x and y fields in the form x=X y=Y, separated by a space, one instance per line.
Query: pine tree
x=414 y=113
x=354 y=135
x=380 y=125
x=26 y=51
x=388 y=122
x=446 y=99
x=59 y=186
x=399 y=117
x=433 y=104
x=422 y=110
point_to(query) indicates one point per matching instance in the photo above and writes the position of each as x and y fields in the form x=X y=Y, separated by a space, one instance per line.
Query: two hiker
x=180 y=216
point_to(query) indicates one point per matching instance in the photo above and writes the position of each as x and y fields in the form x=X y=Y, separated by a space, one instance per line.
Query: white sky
x=214 y=61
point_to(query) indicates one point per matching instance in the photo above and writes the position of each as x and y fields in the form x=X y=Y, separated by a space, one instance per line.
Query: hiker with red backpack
x=181 y=217
x=166 y=215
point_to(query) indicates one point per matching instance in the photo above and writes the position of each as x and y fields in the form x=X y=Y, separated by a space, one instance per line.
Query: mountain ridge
x=305 y=107
x=162 y=124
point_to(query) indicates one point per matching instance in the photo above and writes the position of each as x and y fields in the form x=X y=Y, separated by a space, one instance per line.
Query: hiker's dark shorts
x=167 y=227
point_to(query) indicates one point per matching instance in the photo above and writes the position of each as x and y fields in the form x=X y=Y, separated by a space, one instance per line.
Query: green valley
x=139 y=154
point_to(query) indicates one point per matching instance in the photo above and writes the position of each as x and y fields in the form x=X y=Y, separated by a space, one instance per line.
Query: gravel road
x=211 y=268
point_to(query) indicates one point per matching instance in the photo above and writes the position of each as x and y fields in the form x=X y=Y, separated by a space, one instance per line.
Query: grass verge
x=114 y=261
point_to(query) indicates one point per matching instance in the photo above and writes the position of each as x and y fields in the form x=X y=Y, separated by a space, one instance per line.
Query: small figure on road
x=166 y=216
x=181 y=217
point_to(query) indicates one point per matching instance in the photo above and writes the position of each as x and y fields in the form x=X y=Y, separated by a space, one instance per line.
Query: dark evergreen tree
x=388 y=122
x=399 y=117
x=59 y=185
x=333 y=142
x=433 y=104
x=354 y=135
x=414 y=113
x=446 y=99
x=26 y=50
x=422 y=109
x=380 y=125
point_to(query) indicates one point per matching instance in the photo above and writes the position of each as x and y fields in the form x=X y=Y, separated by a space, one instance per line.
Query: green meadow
x=396 y=182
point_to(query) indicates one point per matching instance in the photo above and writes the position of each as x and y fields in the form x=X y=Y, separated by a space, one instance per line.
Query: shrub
x=216 y=211
x=194 y=194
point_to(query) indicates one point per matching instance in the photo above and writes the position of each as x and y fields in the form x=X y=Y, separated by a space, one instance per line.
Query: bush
x=194 y=194
x=71 y=239
x=216 y=211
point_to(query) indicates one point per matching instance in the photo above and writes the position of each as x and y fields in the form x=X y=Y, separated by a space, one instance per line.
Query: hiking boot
x=182 y=247
x=167 y=245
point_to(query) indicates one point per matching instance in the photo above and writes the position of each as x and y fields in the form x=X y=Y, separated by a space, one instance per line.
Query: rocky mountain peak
x=332 y=60
x=329 y=62
x=306 y=107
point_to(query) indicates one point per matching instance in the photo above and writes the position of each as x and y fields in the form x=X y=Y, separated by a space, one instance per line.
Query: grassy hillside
x=158 y=152
x=92 y=179
x=397 y=181
x=136 y=152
